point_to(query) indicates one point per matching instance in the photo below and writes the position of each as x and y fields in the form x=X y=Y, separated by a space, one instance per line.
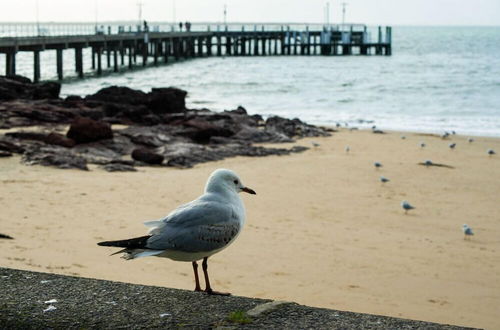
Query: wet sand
x=322 y=229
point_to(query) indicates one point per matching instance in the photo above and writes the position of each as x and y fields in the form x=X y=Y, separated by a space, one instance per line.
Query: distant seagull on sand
x=491 y=152
x=347 y=149
x=195 y=230
x=377 y=165
x=403 y=137
x=452 y=146
x=422 y=145
x=470 y=140
x=445 y=135
x=383 y=179
x=428 y=162
x=467 y=231
x=406 y=206
x=315 y=144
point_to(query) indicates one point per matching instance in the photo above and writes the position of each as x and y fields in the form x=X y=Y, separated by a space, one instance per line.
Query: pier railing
x=68 y=29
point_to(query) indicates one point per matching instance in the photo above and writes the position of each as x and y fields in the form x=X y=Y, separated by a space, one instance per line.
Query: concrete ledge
x=27 y=297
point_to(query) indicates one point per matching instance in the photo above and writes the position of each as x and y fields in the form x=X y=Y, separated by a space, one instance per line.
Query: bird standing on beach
x=491 y=152
x=452 y=146
x=377 y=165
x=195 y=230
x=467 y=231
x=422 y=145
x=383 y=179
x=347 y=149
x=470 y=140
x=406 y=206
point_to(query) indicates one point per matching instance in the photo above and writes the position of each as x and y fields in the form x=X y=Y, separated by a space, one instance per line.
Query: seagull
x=422 y=144
x=491 y=152
x=452 y=146
x=470 y=140
x=403 y=137
x=428 y=162
x=315 y=144
x=467 y=231
x=195 y=230
x=445 y=135
x=383 y=179
x=347 y=149
x=406 y=206
x=377 y=165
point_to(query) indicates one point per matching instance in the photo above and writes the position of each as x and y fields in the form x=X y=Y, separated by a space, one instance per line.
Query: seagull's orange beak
x=248 y=190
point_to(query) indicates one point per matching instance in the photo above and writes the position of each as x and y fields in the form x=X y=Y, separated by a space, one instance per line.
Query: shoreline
x=322 y=230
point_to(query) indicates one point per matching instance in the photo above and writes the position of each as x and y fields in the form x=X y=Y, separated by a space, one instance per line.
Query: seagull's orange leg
x=196 y=279
x=208 y=289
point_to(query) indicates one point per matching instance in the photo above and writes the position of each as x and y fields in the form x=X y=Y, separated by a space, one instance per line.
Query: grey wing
x=198 y=228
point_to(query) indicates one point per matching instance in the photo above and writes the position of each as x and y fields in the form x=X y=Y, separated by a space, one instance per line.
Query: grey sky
x=392 y=12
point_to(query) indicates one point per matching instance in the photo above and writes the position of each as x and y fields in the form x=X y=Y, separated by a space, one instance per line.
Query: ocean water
x=438 y=79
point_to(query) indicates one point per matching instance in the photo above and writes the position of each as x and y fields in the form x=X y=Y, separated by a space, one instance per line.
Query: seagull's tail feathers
x=132 y=243
x=133 y=248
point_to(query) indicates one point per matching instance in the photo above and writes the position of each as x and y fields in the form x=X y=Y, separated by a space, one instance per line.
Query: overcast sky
x=385 y=12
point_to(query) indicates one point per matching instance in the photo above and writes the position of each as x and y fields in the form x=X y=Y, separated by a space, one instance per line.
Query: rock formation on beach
x=155 y=128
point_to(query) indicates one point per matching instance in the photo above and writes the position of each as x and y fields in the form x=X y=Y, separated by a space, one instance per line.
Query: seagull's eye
x=235 y=181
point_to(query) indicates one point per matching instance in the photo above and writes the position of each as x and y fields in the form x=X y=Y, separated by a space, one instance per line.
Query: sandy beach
x=321 y=231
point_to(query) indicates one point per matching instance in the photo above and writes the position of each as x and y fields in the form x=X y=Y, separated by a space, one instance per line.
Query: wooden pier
x=122 y=50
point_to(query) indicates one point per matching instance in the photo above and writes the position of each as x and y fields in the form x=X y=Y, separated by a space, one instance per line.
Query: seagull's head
x=465 y=226
x=224 y=180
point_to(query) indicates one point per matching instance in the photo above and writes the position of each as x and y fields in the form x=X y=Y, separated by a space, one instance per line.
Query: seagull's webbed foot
x=216 y=293
x=208 y=289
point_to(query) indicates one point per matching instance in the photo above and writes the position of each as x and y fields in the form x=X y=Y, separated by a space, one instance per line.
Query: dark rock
x=53 y=156
x=5 y=153
x=22 y=135
x=239 y=111
x=73 y=98
x=167 y=100
x=147 y=156
x=46 y=90
x=19 y=79
x=5 y=236
x=60 y=140
x=118 y=167
x=293 y=127
x=116 y=94
x=11 y=147
x=18 y=87
x=200 y=131
x=84 y=130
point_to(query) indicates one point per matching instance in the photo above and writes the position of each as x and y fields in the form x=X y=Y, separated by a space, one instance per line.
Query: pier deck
x=163 y=47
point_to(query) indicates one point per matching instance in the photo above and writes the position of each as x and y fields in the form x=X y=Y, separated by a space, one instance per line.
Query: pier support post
x=10 y=63
x=108 y=56
x=144 y=54
x=36 y=66
x=79 y=61
x=166 y=51
x=228 y=45
x=256 y=45
x=115 y=60
x=219 y=46
x=200 y=46
x=99 y=60
x=209 y=46
x=130 y=57
x=59 y=62
x=93 y=58
x=122 y=54
x=155 y=52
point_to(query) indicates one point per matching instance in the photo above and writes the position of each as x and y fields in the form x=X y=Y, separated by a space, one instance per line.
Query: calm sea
x=438 y=79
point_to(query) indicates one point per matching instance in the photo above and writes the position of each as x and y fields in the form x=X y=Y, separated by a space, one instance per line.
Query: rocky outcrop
x=84 y=130
x=160 y=130
x=147 y=156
